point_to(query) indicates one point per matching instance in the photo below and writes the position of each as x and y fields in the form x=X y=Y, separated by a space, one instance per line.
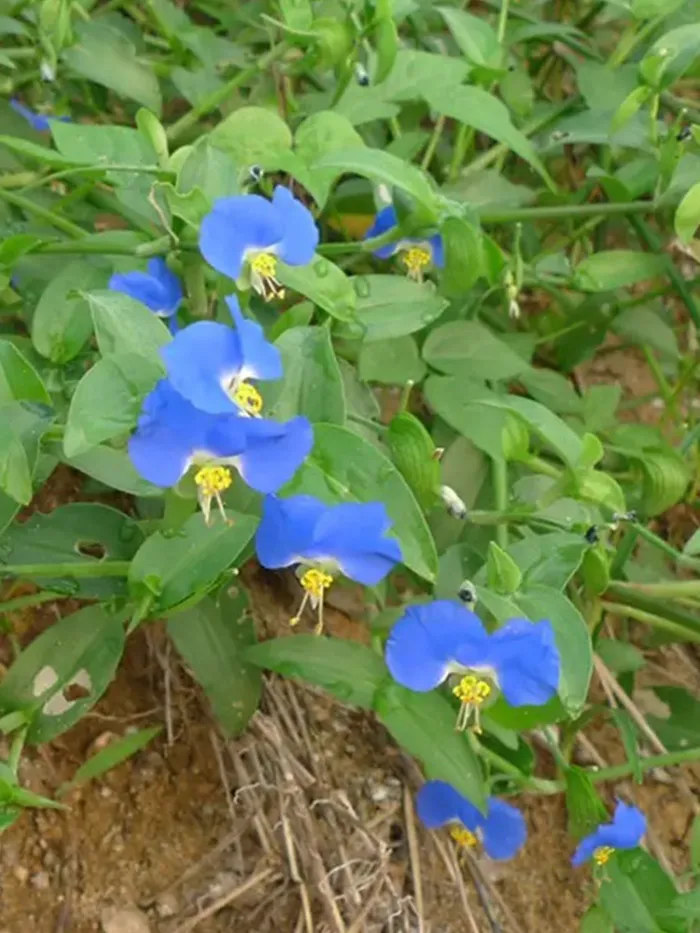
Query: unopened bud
x=361 y=75
x=454 y=505
x=47 y=71
x=513 y=310
x=467 y=593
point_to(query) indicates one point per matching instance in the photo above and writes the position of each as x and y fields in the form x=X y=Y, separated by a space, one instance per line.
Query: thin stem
x=368 y=423
x=667 y=548
x=570 y=212
x=33 y=599
x=433 y=143
x=503 y=21
x=499 y=478
x=216 y=98
x=650 y=618
x=670 y=589
x=60 y=223
x=103 y=568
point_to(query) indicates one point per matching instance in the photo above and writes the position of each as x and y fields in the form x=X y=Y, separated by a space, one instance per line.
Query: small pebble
x=166 y=905
x=40 y=881
x=124 y=920
x=21 y=873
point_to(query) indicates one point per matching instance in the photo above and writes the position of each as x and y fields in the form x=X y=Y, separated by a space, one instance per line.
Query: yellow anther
x=211 y=481
x=463 y=837
x=263 y=269
x=248 y=398
x=602 y=855
x=416 y=259
x=472 y=690
x=315 y=582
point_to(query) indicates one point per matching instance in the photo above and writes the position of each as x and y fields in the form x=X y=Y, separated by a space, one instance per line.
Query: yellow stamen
x=463 y=837
x=315 y=583
x=211 y=481
x=416 y=259
x=248 y=398
x=471 y=691
x=602 y=855
x=263 y=269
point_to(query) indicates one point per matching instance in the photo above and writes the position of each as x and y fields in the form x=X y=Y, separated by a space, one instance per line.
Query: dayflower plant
x=172 y=435
x=501 y=830
x=158 y=288
x=325 y=540
x=416 y=253
x=211 y=364
x=624 y=832
x=244 y=237
x=433 y=641
x=38 y=121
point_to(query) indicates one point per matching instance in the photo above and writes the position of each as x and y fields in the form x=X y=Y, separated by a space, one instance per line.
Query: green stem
x=499 y=478
x=503 y=21
x=216 y=98
x=103 y=568
x=367 y=423
x=655 y=621
x=60 y=223
x=16 y=751
x=433 y=143
x=619 y=593
x=99 y=247
x=667 y=548
x=671 y=589
x=161 y=174
x=33 y=599
x=570 y=212
x=462 y=142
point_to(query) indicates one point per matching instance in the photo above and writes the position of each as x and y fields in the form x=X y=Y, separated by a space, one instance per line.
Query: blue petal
x=235 y=225
x=428 y=638
x=274 y=452
x=385 y=220
x=438 y=803
x=504 y=830
x=286 y=528
x=624 y=832
x=155 y=292
x=300 y=238
x=586 y=848
x=526 y=660
x=172 y=289
x=354 y=535
x=167 y=433
x=200 y=360
x=437 y=250
x=37 y=121
x=259 y=358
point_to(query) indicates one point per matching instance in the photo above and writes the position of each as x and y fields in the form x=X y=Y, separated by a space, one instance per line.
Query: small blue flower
x=172 y=435
x=416 y=252
x=243 y=237
x=502 y=829
x=159 y=288
x=625 y=832
x=210 y=364
x=432 y=641
x=350 y=538
x=38 y=121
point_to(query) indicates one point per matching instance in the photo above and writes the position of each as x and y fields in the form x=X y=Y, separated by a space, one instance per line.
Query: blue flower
x=210 y=364
x=350 y=538
x=38 y=121
x=416 y=252
x=502 y=829
x=172 y=435
x=432 y=641
x=159 y=288
x=243 y=237
x=625 y=832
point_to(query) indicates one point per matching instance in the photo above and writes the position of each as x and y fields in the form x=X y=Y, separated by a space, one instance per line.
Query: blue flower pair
x=416 y=253
x=325 y=540
x=432 y=641
x=41 y=122
x=501 y=830
x=206 y=414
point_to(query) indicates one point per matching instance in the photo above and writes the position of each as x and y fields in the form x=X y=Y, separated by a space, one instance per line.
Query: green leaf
x=477 y=108
x=107 y=400
x=617 y=268
x=573 y=641
x=470 y=347
x=311 y=384
x=470 y=408
x=392 y=306
x=549 y=559
x=414 y=453
x=104 y=55
x=344 y=467
x=61 y=324
x=78 y=652
x=124 y=325
x=90 y=144
x=15 y=471
x=109 y=757
x=637 y=893
x=35 y=152
x=550 y=428
x=620 y=656
x=19 y=381
x=553 y=390
x=691 y=547
x=585 y=808
x=424 y=725
x=502 y=573
x=666 y=477
x=395 y=361
x=213 y=637
x=596 y=920
x=111 y=467
x=463 y=255
x=382 y=167
x=671 y=56
x=27 y=427
x=322 y=282
x=318 y=135
x=174 y=568
x=80 y=533
x=351 y=672
x=474 y=35
x=386 y=40
x=644 y=325
x=687 y=217
x=297 y=14
x=252 y=136
x=681 y=728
